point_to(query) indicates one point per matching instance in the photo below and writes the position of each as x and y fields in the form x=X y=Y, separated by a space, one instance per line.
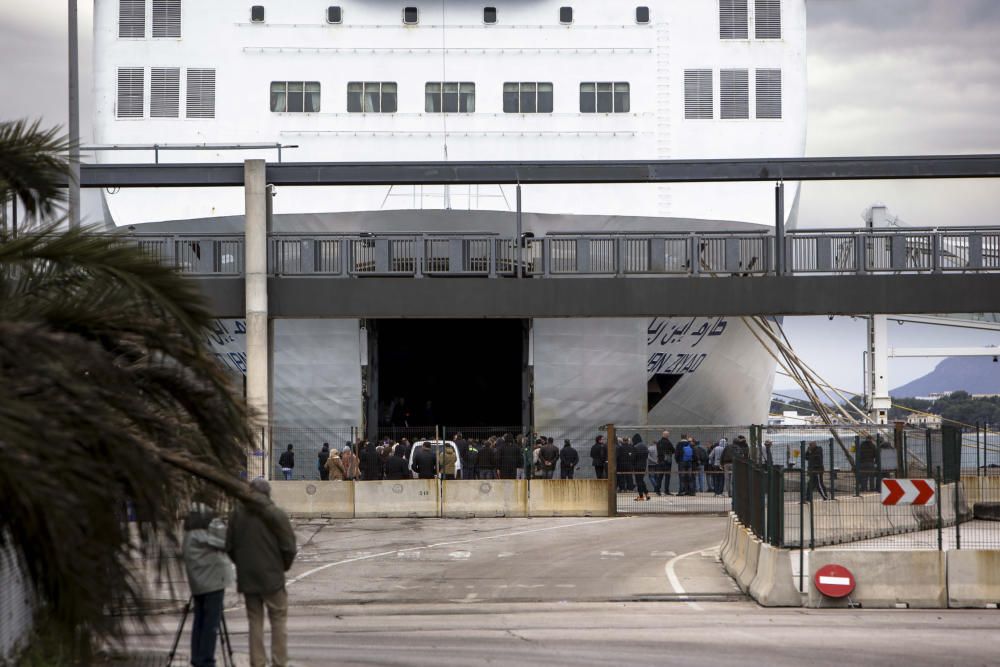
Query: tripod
x=227 y=647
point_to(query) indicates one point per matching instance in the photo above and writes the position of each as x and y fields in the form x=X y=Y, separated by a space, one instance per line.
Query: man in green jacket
x=261 y=543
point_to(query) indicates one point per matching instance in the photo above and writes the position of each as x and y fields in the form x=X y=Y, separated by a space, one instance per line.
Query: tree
x=110 y=405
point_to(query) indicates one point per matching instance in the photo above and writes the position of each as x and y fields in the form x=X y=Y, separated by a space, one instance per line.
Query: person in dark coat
x=463 y=454
x=425 y=462
x=287 y=462
x=624 y=459
x=487 y=463
x=548 y=455
x=371 y=464
x=664 y=463
x=395 y=467
x=640 y=455
x=568 y=460
x=261 y=543
x=814 y=461
x=321 y=458
x=599 y=457
x=867 y=451
x=509 y=457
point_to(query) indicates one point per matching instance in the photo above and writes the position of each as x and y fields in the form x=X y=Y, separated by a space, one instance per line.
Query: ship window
x=409 y=15
x=698 y=101
x=450 y=97
x=734 y=93
x=489 y=14
x=132 y=18
x=164 y=92
x=642 y=14
x=527 y=97
x=257 y=13
x=201 y=93
x=131 y=83
x=769 y=93
x=733 y=19
x=295 y=96
x=767 y=19
x=334 y=14
x=166 y=18
x=565 y=14
x=604 y=97
x=371 y=97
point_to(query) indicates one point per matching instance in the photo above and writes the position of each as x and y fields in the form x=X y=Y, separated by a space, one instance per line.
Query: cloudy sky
x=886 y=77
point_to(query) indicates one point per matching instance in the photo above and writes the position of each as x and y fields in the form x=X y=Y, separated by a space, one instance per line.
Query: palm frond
x=34 y=166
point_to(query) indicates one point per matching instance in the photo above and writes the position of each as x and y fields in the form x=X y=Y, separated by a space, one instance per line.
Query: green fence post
x=939 y=503
x=958 y=515
x=802 y=528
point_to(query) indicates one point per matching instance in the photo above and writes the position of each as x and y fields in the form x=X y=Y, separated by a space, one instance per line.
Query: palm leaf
x=33 y=166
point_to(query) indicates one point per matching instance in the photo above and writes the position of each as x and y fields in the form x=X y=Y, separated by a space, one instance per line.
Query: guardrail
x=812 y=252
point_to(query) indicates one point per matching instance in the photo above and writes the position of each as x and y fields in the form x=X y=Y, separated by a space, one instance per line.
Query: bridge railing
x=830 y=252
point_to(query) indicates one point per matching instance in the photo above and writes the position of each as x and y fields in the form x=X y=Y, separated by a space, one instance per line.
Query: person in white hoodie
x=209 y=572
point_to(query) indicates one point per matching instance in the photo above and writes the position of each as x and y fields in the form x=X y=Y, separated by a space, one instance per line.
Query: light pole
x=74 y=119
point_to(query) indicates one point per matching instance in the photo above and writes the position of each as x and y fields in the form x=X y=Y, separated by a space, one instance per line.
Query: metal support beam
x=878 y=355
x=779 y=228
x=551 y=172
x=944 y=351
x=74 y=118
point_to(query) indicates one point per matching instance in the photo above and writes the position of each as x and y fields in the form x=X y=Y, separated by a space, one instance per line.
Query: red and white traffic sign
x=834 y=581
x=909 y=492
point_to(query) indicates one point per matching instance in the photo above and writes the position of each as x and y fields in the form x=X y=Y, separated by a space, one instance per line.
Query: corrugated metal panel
x=698 y=102
x=164 y=92
x=166 y=18
x=769 y=93
x=132 y=18
x=131 y=84
x=767 y=19
x=733 y=19
x=201 y=93
x=734 y=93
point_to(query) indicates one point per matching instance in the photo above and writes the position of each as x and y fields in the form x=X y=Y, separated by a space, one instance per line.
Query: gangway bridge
x=771 y=272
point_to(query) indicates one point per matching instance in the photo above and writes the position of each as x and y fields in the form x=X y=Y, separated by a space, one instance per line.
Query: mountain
x=976 y=375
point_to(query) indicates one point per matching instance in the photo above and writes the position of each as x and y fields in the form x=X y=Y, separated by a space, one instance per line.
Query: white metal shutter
x=733 y=19
x=132 y=18
x=131 y=82
x=166 y=18
x=767 y=19
x=201 y=93
x=769 y=93
x=164 y=92
x=698 y=101
x=734 y=93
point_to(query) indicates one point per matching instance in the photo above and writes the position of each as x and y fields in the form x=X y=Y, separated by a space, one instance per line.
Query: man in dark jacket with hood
x=321 y=459
x=867 y=453
x=568 y=460
x=425 y=462
x=509 y=455
x=395 y=467
x=371 y=464
x=664 y=462
x=640 y=456
x=599 y=457
x=209 y=572
x=624 y=458
x=547 y=457
x=261 y=542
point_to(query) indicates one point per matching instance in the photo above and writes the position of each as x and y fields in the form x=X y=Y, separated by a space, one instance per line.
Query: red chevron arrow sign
x=909 y=492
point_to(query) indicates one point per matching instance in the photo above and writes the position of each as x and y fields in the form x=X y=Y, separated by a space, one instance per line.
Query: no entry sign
x=834 y=581
x=909 y=492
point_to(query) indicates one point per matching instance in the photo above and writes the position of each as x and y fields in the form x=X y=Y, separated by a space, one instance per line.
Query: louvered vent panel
x=698 y=93
x=130 y=92
x=131 y=18
x=201 y=93
x=734 y=93
x=769 y=93
x=166 y=18
x=733 y=19
x=164 y=92
x=767 y=19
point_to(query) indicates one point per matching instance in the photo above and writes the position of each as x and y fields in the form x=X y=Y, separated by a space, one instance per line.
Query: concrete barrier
x=391 y=499
x=729 y=543
x=973 y=578
x=738 y=554
x=774 y=585
x=724 y=545
x=333 y=499
x=568 y=497
x=749 y=570
x=886 y=579
x=484 y=498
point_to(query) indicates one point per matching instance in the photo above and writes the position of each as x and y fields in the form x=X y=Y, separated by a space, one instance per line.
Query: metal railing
x=813 y=252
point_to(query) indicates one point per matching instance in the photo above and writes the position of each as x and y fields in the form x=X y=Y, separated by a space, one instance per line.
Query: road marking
x=675 y=583
x=662 y=554
x=612 y=554
x=506 y=554
x=309 y=573
x=460 y=555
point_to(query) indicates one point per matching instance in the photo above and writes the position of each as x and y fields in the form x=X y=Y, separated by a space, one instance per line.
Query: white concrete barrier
x=885 y=579
x=973 y=578
x=333 y=499
x=568 y=497
x=392 y=499
x=738 y=555
x=484 y=498
x=729 y=544
x=749 y=569
x=724 y=545
x=773 y=585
